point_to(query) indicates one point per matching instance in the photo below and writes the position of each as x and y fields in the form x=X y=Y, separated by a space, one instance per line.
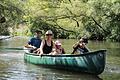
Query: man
x=34 y=42
x=81 y=46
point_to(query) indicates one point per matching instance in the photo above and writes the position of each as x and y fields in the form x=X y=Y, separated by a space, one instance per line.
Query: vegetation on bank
x=97 y=19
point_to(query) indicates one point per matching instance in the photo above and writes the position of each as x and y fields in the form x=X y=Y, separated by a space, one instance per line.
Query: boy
x=34 y=42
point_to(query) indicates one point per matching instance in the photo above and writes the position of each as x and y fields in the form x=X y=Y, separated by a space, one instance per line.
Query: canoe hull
x=93 y=62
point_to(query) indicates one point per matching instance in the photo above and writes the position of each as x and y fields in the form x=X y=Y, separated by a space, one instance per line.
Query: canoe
x=92 y=62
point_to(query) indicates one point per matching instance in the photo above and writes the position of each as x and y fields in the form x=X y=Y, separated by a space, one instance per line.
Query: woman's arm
x=75 y=45
x=40 y=50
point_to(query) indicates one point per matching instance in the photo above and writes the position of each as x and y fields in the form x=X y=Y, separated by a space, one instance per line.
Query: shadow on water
x=55 y=74
x=13 y=67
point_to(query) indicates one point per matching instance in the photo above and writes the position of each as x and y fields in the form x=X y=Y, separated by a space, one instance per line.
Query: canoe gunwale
x=68 y=55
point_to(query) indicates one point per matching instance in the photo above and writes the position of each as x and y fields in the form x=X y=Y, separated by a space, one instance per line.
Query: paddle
x=14 y=49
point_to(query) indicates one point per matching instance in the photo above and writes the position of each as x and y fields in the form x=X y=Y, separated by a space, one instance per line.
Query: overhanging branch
x=99 y=25
x=64 y=29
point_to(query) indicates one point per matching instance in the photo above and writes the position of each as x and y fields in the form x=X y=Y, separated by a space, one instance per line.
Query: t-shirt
x=35 y=42
x=79 y=48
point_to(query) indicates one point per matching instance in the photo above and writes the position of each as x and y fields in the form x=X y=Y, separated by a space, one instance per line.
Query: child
x=59 y=49
x=81 y=46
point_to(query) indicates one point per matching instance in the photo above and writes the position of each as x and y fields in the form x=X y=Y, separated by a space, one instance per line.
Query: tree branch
x=99 y=25
x=73 y=18
x=59 y=17
x=63 y=28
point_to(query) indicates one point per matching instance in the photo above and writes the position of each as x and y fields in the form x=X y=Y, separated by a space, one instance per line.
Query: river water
x=13 y=67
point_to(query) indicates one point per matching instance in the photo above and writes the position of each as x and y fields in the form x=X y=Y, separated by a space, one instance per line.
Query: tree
x=10 y=15
x=98 y=19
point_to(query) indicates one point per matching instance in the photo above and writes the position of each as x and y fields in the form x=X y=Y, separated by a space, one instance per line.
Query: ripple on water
x=112 y=68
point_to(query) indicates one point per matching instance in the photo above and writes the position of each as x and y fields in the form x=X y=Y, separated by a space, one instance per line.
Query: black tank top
x=47 y=49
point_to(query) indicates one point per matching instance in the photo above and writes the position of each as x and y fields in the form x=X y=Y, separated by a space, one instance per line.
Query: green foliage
x=12 y=13
x=97 y=19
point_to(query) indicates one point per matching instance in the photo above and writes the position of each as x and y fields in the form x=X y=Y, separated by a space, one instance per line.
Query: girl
x=59 y=49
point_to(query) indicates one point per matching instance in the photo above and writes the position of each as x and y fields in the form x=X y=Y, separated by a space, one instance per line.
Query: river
x=13 y=67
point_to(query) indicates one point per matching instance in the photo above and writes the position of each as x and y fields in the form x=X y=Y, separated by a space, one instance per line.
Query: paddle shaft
x=15 y=49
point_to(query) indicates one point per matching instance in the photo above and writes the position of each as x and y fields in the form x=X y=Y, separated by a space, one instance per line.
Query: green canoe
x=92 y=62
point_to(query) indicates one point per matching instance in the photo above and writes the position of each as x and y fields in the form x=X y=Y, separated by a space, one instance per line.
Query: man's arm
x=29 y=44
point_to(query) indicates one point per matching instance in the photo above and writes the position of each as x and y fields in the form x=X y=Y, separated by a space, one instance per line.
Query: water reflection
x=41 y=73
x=112 y=69
x=13 y=67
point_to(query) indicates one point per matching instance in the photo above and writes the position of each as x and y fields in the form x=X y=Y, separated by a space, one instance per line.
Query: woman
x=47 y=45
x=81 y=46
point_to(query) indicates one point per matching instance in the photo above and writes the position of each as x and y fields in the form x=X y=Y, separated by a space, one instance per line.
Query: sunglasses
x=48 y=34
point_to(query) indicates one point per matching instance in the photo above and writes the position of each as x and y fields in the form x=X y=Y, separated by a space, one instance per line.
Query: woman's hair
x=84 y=39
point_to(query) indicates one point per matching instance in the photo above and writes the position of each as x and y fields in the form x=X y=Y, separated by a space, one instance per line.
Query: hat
x=58 y=42
x=49 y=32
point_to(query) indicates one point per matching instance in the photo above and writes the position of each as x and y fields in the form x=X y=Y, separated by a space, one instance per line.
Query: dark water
x=13 y=67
